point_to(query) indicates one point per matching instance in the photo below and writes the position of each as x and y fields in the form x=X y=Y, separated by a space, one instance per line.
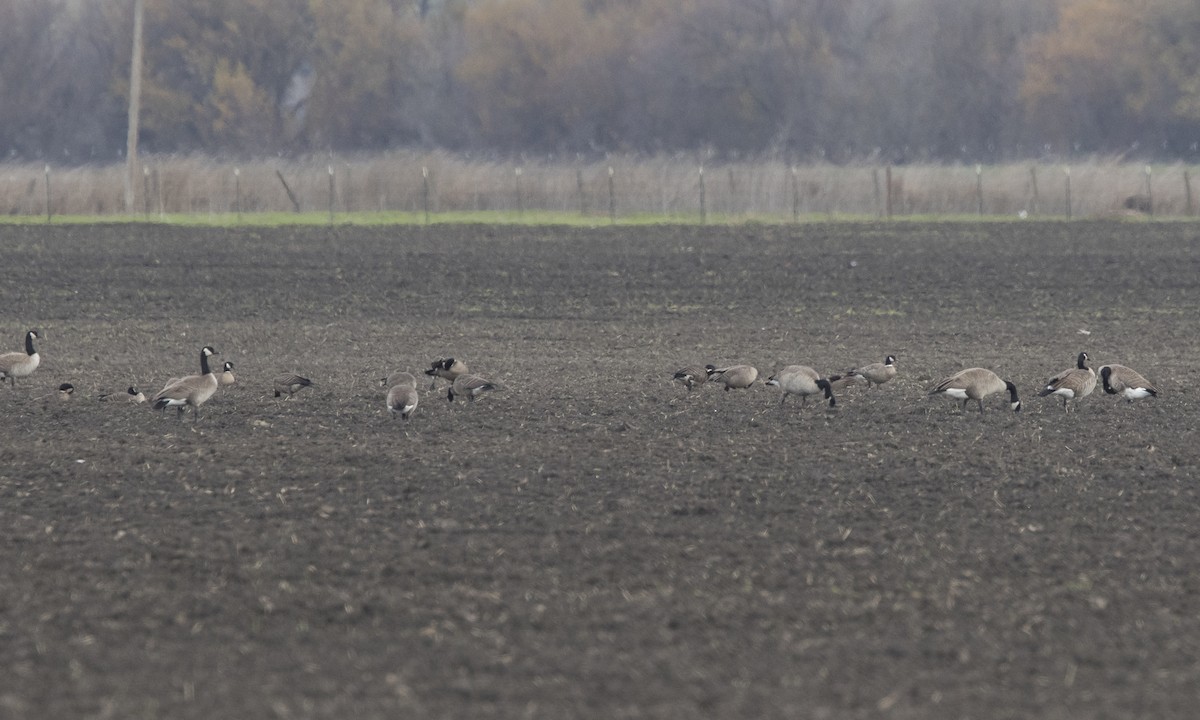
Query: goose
x=65 y=391
x=803 y=381
x=226 y=377
x=975 y=384
x=289 y=384
x=470 y=385
x=734 y=377
x=447 y=368
x=841 y=382
x=693 y=376
x=398 y=378
x=15 y=365
x=193 y=390
x=132 y=394
x=1120 y=380
x=876 y=373
x=402 y=400
x=1073 y=384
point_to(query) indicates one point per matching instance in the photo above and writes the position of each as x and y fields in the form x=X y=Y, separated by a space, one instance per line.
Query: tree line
x=904 y=80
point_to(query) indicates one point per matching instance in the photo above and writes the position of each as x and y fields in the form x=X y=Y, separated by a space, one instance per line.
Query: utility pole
x=135 y=102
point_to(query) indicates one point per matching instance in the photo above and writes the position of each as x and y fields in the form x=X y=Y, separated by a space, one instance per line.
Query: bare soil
x=591 y=540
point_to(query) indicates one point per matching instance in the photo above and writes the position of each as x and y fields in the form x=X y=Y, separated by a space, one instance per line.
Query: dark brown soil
x=592 y=541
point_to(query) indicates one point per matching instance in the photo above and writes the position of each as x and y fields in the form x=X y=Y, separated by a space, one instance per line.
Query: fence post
x=612 y=197
x=520 y=199
x=979 y=186
x=1033 y=181
x=888 y=179
x=237 y=193
x=795 y=196
x=1067 y=171
x=878 y=199
x=146 y=192
x=1187 y=191
x=331 y=194
x=48 y=213
x=425 y=192
x=1149 y=191
x=703 y=210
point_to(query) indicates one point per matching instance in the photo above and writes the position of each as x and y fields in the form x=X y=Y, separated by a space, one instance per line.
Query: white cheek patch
x=957 y=393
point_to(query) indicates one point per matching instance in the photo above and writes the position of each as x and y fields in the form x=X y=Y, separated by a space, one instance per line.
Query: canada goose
x=192 y=390
x=290 y=384
x=1118 y=379
x=803 y=381
x=402 y=400
x=447 y=368
x=226 y=377
x=876 y=373
x=132 y=394
x=15 y=365
x=734 y=377
x=975 y=384
x=398 y=378
x=470 y=385
x=693 y=376
x=841 y=382
x=65 y=391
x=1073 y=384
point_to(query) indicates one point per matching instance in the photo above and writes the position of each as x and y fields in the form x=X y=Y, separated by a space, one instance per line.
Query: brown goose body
x=803 y=381
x=1121 y=380
x=289 y=384
x=876 y=373
x=402 y=400
x=191 y=390
x=975 y=384
x=1073 y=384
x=226 y=377
x=15 y=365
x=398 y=378
x=471 y=386
x=693 y=376
x=734 y=377
x=445 y=368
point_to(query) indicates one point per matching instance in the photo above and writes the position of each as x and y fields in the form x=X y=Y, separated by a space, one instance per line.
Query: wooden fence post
x=425 y=192
x=888 y=180
x=582 y=195
x=520 y=198
x=1033 y=182
x=612 y=197
x=331 y=194
x=48 y=213
x=1149 y=192
x=1187 y=191
x=979 y=186
x=795 y=196
x=1067 y=171
x=145 y=192
x=878 y=199
x=237 y=193
x=703 y=210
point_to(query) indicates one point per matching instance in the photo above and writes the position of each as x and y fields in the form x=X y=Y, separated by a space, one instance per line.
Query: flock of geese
x=192 y=391
x=1070 y=385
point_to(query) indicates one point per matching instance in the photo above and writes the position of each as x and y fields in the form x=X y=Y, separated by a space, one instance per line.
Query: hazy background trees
x=963 y=80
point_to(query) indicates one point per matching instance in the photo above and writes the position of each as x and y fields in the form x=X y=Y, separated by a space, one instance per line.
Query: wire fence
x=436 y=185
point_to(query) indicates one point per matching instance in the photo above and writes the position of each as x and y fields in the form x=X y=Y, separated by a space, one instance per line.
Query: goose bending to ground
x=131 y=394
x=447 y=368
x=398 y=378
x=226 y=377
x=402 y=400
x=975 y=384
x=65 y=391
x=289 y=384
x=1120 y=380
x=841 y=382
x=193 y=390
x=693 y=376
x=734 y=377
x=803 y=381
x=15 y=365
x=470 y=385
x=1073 y=384
x=876 y=373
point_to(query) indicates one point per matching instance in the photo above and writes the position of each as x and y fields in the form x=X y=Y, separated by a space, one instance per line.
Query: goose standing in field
x=803 y=381
x=975 y=384
x=876 y=373
x=734 y=377
x=402 y=400
x=289 y=384
x=15 y=365
x=193 y=390
x=1120 y=380
x=447 y=368
x=1073 y=384
x=693 y=376
x=226 y=377
x=65 y=391
x=398 y=378
x=470 y=385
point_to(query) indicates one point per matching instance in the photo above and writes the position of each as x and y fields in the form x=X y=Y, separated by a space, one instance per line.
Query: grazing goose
x=398 y=378
x=132 y=394
x=1073 y=384
x=447 y=368
x=289 y=384
x=876 y=373
x=65 y=391
x=975 y=384
x=470 y=385
x=734 y=377
x=803 y=381
x=226 y=377
x=1120 y=380
x=193 y=390
x=402 y=400
x=841 y=382
x=693 y=376
x=15 y=365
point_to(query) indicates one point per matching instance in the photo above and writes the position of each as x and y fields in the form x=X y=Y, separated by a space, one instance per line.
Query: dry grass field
x=591 y=540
